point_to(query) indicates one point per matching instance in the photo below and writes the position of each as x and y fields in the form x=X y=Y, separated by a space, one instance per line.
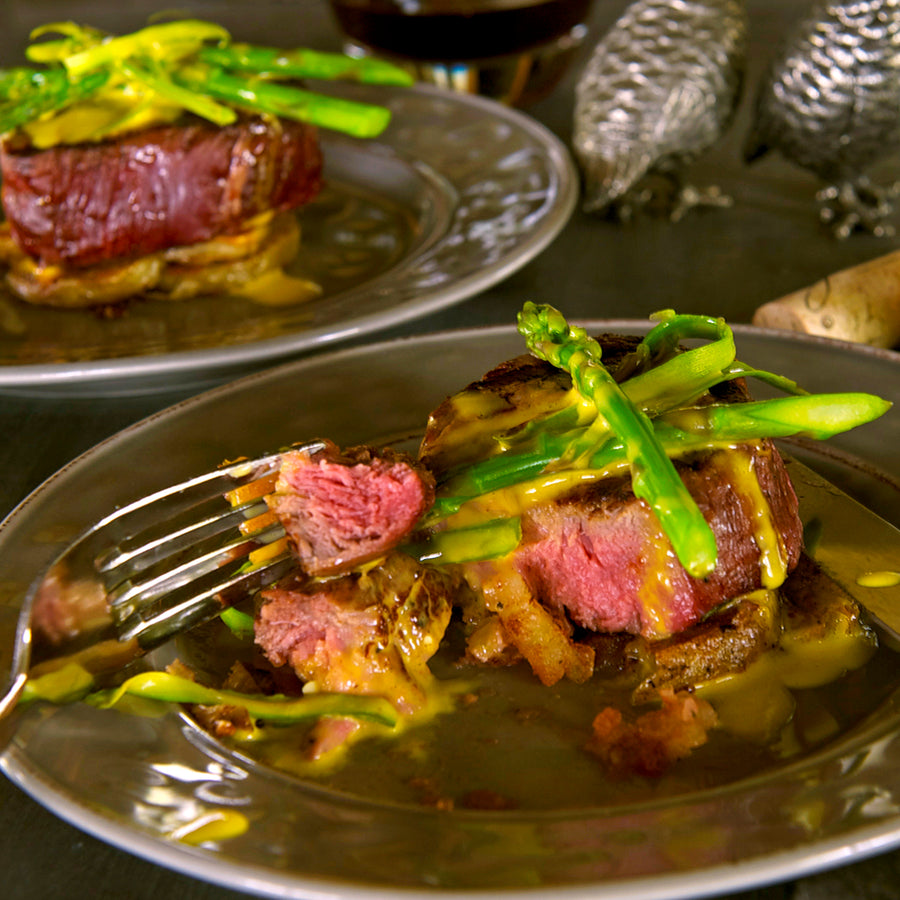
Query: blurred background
x=767 y=244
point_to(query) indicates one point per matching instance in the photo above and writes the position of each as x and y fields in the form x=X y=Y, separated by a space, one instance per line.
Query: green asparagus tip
x=542 y=320
x=653 y=475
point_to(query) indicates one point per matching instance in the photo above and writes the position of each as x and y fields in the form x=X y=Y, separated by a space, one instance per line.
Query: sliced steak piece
x=341 y=509
x=370 y=633
x=599 y=553
x=166 y=186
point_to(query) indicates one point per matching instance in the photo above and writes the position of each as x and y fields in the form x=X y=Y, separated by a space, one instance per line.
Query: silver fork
x=149 y=571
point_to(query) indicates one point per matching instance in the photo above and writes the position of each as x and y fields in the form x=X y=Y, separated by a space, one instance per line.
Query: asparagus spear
x=73 y=683
x=271 y=707
x=488 y=540
x=74 y=39
x=303 y=63
x=653 y=475
x=43 y=93
x=189 y=64
x=659 y=381
x=286 y=101
x=168 y=43
x=191 y=100
x=819 y=416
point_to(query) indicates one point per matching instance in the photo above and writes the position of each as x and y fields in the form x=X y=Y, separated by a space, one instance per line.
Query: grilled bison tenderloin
x=597 y=552
x=163 y=187
x=344 y=508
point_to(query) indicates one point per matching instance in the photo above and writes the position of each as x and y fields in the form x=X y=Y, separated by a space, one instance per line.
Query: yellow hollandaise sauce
x=496 y=738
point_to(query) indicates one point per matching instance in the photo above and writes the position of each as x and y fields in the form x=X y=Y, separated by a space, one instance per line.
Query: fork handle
x=13 y=692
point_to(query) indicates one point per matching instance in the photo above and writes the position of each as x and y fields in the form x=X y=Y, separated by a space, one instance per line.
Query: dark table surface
x=726 y=261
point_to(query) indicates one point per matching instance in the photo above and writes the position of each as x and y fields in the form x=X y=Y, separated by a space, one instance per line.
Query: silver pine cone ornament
x=660 y=88
x=830 y=102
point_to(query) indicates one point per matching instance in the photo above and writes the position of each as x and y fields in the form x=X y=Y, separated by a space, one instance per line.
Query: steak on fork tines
x=344 y=508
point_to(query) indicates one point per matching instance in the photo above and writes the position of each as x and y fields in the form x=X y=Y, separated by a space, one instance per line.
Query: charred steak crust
x=163 y=187
x=508 y=395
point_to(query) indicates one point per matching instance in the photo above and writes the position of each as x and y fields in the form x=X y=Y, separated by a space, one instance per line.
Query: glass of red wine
x=514 y=51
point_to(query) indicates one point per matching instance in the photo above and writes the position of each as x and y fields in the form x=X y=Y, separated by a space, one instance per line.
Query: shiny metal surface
x=873 y=554
x=144 y=573
x=718 y=261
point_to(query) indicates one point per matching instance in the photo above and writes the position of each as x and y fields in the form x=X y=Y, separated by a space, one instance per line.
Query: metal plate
x=133 y=781
x=457 y=194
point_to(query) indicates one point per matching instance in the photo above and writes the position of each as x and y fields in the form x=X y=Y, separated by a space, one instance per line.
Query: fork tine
x=121 y=562
x=155 y=564
x=173 y=575
x=246 y=469
x=159 y=565
x=152 y=627
x=161 y=581
x=147 y=523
